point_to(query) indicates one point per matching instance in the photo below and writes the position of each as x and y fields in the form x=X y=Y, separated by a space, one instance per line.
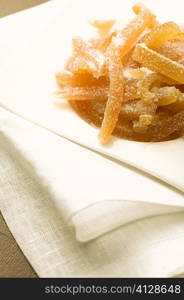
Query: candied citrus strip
x=131 y=91
x=138 y=8
x=141 y=8
x=128 y=62
x=178 y=105
x=84 y=93
x=105 y=31
x=92 y=88
x=145 y=119
x=105 y=41
x=132 y=110
x=85 y=59
x=69 y=79
x=148 y=81
x=138 y=73
x=139 y=128
x=173 y=49
x=115 y=99
x=166 y=80
x=166 y=95
x=158 y=63
x=151 y=77
x=144 y=87
x=92 y=63
x=166 y=127
x=128 y=36
x=103 y=25
x=78 y=64
x=160 y=34
x=145 y=84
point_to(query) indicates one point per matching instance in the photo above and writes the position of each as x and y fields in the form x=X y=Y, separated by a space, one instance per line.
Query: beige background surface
x=11 y=6
x=12 y=261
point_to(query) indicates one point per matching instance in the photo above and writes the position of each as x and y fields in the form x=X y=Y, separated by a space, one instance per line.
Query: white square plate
x=28 y=83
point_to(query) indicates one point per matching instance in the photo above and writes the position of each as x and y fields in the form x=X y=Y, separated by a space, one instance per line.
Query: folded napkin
x=37 y=169
x=91 y=192
x=152 y=247
x=143 y=248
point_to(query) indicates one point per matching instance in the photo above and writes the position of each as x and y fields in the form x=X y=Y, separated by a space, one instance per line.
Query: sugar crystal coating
x=128 y=81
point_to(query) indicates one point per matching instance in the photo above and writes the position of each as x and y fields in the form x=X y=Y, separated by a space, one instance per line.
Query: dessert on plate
x=128 y=81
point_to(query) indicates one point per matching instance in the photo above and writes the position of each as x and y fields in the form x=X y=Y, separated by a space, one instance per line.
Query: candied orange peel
x=103 y=26
x=128 y=81
x=130 y=34
x=115 y=98
x=159 y=63
x=162 y=33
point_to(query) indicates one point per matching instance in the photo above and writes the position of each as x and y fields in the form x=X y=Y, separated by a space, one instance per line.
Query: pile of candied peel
x=129 y=82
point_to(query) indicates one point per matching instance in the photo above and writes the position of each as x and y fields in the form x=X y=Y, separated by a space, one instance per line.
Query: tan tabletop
x=11 y=6
x=12 y=261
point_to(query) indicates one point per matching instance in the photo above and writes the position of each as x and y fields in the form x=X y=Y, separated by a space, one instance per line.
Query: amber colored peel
x=144 y=87
x=103 y=25
x=145 y=119
x=173 y=49
x=148 y=81
x=105 y=41
x=128 y=37
x=73 y=80
x=105 y=31
x=129 y=81
x=115 y=98
x=178 y=105
x=132 y=110
x=158 y=63
x=140 y=8
x=160 y=34
x=85 y=59
x=85 y=87
x=83 y=93
x=166 y=95
x=79 y=65
x=119 y=47
x=167 y=126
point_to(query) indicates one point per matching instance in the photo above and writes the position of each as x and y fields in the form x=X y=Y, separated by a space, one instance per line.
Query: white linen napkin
x=152 y=247
x=91 y=192
x=47 y=241
x=149 y=247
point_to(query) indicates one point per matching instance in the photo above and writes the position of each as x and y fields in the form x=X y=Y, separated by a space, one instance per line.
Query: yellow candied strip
x=145 y=119
x=158 y=63
x=178 y=105
x=85 y=59
x=66 y=78
x=115 y=99
x=83 y=93
x=128 y=36
x=103 y=25
x=105 y=31
x=160 y=34
x=166 y=95
x=105 y=41
x=139 y=8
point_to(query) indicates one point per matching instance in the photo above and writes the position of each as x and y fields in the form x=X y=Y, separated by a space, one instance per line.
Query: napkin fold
x=36 y=208
x=152 y=247
x=92 y=193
